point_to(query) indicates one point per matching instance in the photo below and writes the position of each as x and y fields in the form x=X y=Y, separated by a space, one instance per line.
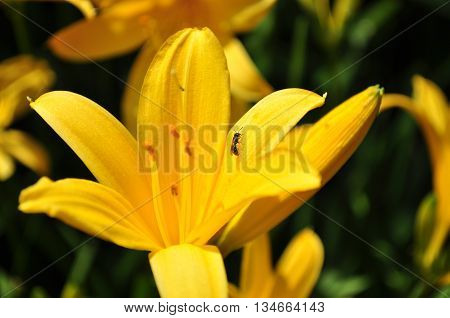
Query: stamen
x=174 y=190
x=188 y=148
x=174 y=132
x=150 y=149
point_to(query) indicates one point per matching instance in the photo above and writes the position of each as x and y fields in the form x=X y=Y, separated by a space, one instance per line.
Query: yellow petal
x=91 y=208
x=397 y=100
x=327 y=145
x=333 y=139
x=26 y=150
x=256 y=277
x=432 y=102
x=266 y=123
x=251 y=16
x=104 y=36
x=247 y=82
x=280 y=173
x=101 y=142
x=189 y=271
x=260 y=216
x=133 y=88
x=85 y=6
x=21 y=76
x=192 y=67
x=299 y=267
x=6 y=166
x=186 y=97
x=256 y=172
x=429 y=107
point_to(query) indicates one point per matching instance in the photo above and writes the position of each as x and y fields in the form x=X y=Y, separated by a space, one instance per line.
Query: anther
x=174 y=190
x=151 y=151
x=174 y=132
x=188 y=149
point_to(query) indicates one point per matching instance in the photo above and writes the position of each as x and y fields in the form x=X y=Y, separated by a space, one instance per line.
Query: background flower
x=21 y=76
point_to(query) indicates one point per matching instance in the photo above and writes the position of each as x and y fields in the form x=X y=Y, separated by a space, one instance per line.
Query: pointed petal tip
x=377 y=89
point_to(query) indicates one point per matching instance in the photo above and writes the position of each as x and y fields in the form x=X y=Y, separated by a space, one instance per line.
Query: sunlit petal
x=189 y=271
x=327 y=145
x=299 y=267
x=256 y=276
x=266 y=123
x=190 y=111
x=101 y=37
x=432 y=102
x=101 y=142
x=90 y=207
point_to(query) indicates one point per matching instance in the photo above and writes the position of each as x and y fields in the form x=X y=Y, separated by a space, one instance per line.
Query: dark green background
x=375 y=195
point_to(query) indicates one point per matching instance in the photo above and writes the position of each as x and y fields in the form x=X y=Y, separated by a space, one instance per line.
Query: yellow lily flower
x=20 y=76
x=170 y=204
x=430 y=109
x=122 y=26
x=296 y=272
x=327 y=145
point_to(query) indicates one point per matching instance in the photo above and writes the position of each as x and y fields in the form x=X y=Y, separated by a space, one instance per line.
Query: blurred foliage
x=376 y=194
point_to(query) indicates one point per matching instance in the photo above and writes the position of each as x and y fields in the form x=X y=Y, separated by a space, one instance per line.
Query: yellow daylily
x=160 y=206
x=430 y=109
x=122 y=26
x=331 y=20
x=327 y=145
x=296 y=272
x=20 y=76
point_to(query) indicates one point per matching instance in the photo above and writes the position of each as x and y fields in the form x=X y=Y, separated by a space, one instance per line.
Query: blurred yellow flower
x=296 y=272
x=327 y=145
x=171 y=204
x=331 y=20
x=430 y=109
x=122 y=26
x=20 y=76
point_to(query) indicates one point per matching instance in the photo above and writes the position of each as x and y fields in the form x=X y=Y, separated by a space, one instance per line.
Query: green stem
x=20 y=28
